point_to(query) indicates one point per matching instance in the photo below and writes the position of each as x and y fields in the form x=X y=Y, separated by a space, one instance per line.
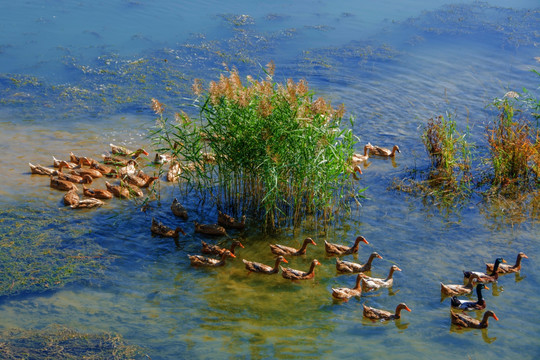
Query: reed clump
x=269 y=149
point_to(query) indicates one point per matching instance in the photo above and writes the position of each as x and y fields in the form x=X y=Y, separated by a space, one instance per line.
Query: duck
x=370 y=283
x=41 y=170
x=122 y=151
x=63 y=185
x=380 y=151
x=458 y=289
x=133 y=190
x=80 y=171
x=67 y=164
x=483 y=277
x=140 y=179
x=173 y=174
x=293 y=274
x=117 y=190
x=159 y=229
x=79 y=160
x=178 y=210
x=506 y=269
x=377 y=314
x=260 y=268
x=113 y=160
x=230 y=222
x=129 y=169
x=199 y=260
x=71 y=197
x=352 y=267
x=471 y=305
x=85 y=179
x=336 y=249
x=104 y=169
x=216 y=250
x=465 y=321
x=161 y=159
x=87 y=203
x=358 y=158
x=209 y=229
x=277 y=249
x=97 y=193
x=347 y=293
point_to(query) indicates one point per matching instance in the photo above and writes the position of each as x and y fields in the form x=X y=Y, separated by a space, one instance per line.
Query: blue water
x=76 y=76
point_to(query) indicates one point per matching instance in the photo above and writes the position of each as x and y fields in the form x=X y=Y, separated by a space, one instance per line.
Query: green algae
x=40 y=253
x=58 y=342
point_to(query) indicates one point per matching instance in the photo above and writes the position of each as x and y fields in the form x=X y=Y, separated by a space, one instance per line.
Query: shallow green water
x=145 y=289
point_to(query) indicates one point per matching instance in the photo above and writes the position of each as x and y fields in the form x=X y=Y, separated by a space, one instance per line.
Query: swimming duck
x=286 y=250
x=129 y=169
x=370 y=283
x=113 y=160
x=230 y=222
x=162 y=158
x=471 y=305
x=257 y=267
x=336 y=249
x=347 y=293
x=80 y=171
x=97 y=193
x=63 y=185
x=216 y=250
x=483 y=277
x=159 y=229
x=67 y=164
x=458 y=289
x=122 y=151
x=352 y=267
x=133 y=189
x=505 y=269
x=71 y=197
x=79 y=160
x=293 y=274
x=380 y=151
x=117 y=190
x=85 y=179
x=358 y=158
x=198 y=260
x=209 y=229
x=41 y=170
x=377 y=314
x=87 y=203
x=465 y=321
x=178 y=210
x=104 y=169
x=173 y=174
x=140 y=181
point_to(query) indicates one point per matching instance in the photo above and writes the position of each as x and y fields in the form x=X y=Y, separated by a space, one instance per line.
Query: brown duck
x=505 y=268
x=216 y=250
x=199 y=260
x=71 y=197
x=293 y=274
x=347 y=293
x=117 y=190
x=483 y=277
x=97 y=193
x=41 y=170
x=352 y=267
x=209 y=229
x=465 y=321
x=178 y=210
x=63 y=185
x=378 y=314
x=257 y=267
x=228 y=221
x=286 y=250
x=336 y=249
x=371 y=283
x=380 y=151
x=459 y=289
x=87 y=203
x=159 y=229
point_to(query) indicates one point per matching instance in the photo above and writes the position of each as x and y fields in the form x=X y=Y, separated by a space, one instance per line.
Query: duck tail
x=467 y=274
x=454 y=301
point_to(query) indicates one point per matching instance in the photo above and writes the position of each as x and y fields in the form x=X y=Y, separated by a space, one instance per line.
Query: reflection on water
x=392 y=75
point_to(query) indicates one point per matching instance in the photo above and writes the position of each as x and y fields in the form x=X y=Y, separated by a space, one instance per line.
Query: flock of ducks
x=477 y=280
x=120 y=164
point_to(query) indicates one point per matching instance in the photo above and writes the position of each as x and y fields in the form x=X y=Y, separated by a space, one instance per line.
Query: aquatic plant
x=271 y=149
x=57 y=342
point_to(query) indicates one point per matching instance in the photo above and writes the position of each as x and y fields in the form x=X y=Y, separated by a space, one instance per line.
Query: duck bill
x=495 y=317
x=145 y=153
x=285 y=261
x=485 y=287
x=407 y=308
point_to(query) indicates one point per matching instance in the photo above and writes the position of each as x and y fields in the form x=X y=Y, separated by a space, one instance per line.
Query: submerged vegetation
x=56 y=342
x=273 y=150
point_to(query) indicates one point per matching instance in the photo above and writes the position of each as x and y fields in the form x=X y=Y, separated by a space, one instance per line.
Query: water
x=76 y=77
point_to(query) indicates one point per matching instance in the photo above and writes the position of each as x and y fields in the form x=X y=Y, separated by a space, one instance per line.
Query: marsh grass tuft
x=269 y=149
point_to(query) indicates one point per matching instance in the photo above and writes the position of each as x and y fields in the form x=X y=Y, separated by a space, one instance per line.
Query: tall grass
x=272 y=150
